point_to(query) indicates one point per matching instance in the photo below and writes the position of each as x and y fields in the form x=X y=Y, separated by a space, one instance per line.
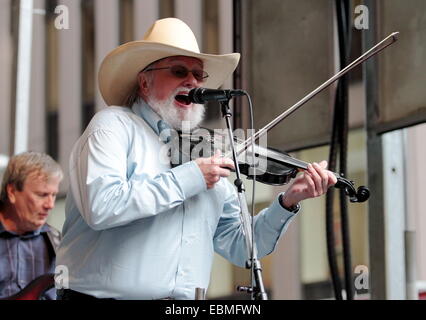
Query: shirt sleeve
x=269 y=225
x=107 y=197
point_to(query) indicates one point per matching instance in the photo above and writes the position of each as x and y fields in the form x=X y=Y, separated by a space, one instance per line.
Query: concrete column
x=23 y=76
x=37 y=106
x=6 y=63
x=225 y=32
x=145 y=13
x=69 y=70
x=107 y=34
x=395 y=206
x=416 y=219
x=190 y=11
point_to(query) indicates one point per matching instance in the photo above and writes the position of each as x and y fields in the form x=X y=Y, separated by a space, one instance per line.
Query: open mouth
x=183 y=99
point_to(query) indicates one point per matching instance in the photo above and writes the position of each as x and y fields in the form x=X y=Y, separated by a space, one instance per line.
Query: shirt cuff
x=190 y=179
x=278 y=216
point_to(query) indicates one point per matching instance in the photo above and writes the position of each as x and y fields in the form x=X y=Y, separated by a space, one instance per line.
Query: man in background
x=27 y=243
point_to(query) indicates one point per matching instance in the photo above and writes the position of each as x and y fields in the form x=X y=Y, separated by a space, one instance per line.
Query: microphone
x=202 y=95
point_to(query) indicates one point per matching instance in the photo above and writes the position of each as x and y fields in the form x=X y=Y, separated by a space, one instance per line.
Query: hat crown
x=181 y=37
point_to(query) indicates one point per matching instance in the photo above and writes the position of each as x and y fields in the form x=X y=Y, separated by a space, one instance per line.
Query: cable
x=339 y=145
x=345 y=43
x=331 y=250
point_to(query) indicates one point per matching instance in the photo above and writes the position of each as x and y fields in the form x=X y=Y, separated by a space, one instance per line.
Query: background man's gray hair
x=22 y=165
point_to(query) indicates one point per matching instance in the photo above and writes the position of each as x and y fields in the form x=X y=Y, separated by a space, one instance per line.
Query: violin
x=271 y=166
x=278 y=167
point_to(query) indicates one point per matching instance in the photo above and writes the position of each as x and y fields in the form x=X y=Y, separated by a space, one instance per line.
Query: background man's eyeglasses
x=182 y=72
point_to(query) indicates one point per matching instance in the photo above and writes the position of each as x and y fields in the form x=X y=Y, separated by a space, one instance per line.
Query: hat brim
x=118 y=72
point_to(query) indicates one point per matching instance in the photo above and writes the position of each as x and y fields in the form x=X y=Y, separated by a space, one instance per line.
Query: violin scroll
x=355 y=195
x=363 y=193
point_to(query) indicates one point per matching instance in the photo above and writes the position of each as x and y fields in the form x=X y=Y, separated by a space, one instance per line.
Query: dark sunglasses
x=182 y=72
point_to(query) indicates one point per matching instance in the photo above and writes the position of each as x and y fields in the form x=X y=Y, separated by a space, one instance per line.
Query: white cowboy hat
x=166 y=37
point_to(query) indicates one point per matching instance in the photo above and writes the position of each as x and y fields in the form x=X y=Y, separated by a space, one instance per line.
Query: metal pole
x=395 y=208
x=23 y=81
x=376 y=216
x=410 y=230
x=386 y=180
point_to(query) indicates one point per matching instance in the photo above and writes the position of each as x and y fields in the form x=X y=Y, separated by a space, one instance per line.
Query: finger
x=310 y=184
x=217 y=157
x=212 y=180
x=323 y=164
x=315 y=177
x=332 y=179
x=226 y=162
x=223 y=172
x=323 y=174
x=215 y=179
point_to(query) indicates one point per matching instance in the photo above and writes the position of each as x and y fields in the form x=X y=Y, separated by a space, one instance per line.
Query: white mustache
x=174 y=115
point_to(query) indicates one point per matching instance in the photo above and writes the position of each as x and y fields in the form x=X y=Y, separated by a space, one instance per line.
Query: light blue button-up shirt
x=137 y=229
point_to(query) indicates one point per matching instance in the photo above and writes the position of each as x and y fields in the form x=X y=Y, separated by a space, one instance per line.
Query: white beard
x=177 y=118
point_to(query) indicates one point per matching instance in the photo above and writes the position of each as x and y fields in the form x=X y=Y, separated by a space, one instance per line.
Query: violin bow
x=392 y=38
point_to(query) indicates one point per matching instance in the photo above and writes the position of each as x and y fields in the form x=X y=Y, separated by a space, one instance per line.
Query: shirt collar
x=44 y=228
x=143 y=110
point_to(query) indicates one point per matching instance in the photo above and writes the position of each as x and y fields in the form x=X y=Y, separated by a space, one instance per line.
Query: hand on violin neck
x=214 y=168
x=313 y=182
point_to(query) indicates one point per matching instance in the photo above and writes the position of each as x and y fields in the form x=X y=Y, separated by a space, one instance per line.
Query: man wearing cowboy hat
x=135 y=227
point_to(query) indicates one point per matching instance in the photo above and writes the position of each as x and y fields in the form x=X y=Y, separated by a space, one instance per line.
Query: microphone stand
x=257 y=290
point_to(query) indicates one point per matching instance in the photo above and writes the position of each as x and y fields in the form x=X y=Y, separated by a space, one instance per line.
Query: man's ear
x=143 y=85
x=11 y=193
